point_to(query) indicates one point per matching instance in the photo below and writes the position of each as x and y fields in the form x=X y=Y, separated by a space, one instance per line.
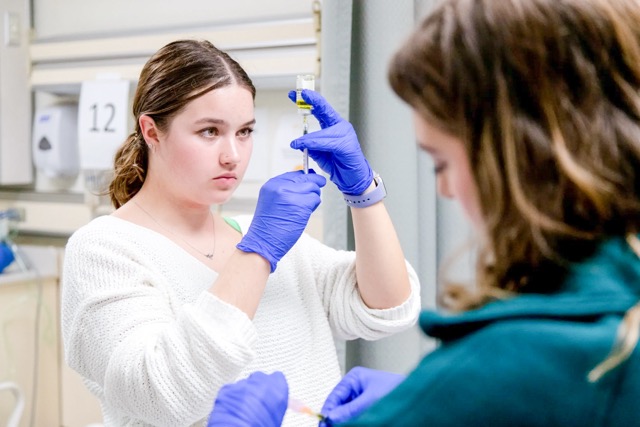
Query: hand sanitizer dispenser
x=55 y=141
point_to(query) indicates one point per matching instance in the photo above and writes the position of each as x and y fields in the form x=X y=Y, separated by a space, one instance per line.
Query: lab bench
x=31 y=353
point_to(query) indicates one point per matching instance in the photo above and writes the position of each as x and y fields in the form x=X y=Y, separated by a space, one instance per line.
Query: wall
x=15 y=100
x=55 y=19
x=74 y=41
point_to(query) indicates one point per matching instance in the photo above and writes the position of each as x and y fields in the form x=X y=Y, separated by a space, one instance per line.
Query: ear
x=149 y=130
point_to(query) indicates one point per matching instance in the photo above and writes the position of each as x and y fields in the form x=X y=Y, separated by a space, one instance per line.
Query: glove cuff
x=368 y=199
x=244 y=247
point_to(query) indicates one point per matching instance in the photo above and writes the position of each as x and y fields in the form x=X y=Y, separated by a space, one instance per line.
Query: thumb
x=345 y=412
x=292 y=95
x=322 y=110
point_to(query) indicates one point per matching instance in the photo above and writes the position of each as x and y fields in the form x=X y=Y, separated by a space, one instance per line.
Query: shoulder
x=108 y=236
x=533 y=369
x=241 y=221
x=106 y=228
x=514 y=343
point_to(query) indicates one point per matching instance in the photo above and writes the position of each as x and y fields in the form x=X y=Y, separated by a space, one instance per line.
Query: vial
x=304 y=81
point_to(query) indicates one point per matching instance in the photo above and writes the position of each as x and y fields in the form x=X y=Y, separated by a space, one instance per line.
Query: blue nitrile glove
x=257 y=401
x=285 y=204
x=359 y=388
x=6 y=256
x=335 y=148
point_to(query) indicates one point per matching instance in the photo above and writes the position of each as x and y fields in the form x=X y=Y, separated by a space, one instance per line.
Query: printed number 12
x=108 y=106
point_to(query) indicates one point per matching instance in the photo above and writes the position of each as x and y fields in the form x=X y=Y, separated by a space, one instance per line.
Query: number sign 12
x=102 y=121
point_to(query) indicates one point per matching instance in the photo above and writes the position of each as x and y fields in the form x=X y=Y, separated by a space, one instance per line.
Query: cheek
x=177 y=155
x=468 y=198
x=248 y=147
x=245 y=150
x=187 y=156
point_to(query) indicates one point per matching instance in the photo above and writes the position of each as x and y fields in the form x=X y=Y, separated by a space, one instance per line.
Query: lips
x=226 y=177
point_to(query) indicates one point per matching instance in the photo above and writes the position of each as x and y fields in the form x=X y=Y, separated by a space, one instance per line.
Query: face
x=452 y=168
x=202 y=157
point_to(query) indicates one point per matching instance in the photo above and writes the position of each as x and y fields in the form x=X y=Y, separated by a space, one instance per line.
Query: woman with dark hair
x=165 y=301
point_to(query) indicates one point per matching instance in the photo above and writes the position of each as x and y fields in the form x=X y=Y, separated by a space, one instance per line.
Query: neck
x=192 y=231
x=181 y=215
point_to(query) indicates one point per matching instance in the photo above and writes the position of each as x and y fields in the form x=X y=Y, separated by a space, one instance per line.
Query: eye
x=209 y=132
x=246 y=132
x=439 y=167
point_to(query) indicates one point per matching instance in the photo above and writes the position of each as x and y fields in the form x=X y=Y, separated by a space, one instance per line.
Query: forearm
x=152 y=364
x=381 y=272
x=242 y=281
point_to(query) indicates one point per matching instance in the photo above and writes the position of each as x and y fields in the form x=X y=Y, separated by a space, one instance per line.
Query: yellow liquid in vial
x=300 y=102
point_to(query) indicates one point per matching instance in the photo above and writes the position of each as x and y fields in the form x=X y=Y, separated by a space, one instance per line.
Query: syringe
x=298 y=406
x=304 y=81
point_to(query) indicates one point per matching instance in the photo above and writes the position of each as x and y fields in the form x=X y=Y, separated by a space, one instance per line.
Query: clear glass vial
x=304 y=81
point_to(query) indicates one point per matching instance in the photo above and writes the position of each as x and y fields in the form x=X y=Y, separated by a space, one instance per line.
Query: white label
x=102 y=121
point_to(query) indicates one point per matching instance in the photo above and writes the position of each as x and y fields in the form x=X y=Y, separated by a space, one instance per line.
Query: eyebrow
x=426 y=148
x=208 y=120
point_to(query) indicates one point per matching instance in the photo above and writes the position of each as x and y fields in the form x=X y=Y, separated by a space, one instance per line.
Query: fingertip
x=282 y=380
x=309 y=96
x=256 y=375
x=292 y=95
x=320 y=180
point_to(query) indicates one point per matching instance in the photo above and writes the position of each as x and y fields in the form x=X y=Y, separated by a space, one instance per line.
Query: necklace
x=213 y=228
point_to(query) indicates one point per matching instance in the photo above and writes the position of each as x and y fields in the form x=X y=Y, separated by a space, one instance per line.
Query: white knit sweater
x=155 y=346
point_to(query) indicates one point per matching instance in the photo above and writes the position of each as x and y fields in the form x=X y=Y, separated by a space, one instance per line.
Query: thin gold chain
x=213 y=228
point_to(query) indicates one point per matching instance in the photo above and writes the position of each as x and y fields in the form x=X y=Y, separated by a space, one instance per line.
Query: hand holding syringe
x=260 y=399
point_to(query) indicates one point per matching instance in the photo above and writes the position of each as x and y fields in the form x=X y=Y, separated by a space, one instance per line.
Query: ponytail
x=130 y=170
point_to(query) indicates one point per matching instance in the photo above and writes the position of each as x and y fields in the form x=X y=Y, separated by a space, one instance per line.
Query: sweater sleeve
x=151 y=358
x=350 y=318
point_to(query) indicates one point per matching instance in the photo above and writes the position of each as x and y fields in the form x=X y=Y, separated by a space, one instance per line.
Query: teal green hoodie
x=524 y=361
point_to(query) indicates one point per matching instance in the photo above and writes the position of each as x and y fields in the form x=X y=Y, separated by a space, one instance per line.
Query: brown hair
x=545 y=96
x=174 y=76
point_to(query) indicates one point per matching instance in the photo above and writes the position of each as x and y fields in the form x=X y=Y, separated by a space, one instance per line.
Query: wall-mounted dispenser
x=55 y=141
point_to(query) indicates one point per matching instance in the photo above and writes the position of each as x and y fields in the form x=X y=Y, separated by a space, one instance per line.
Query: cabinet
x=31 y=354
x=29 y=328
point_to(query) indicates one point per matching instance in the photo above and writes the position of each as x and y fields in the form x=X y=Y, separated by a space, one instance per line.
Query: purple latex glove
x=285 y=204
x=358 y=389
x=258 y=401
x=335 y=148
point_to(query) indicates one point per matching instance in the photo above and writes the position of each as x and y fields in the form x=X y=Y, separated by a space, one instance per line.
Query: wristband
x=368 y=199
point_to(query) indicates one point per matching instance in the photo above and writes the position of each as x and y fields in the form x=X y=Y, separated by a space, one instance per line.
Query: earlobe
x=148 y=130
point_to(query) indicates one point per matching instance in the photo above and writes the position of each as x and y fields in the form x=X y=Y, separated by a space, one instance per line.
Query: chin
x=221 y=199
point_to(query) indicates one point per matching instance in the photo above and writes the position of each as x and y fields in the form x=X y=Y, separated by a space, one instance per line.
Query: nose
x=229 y=151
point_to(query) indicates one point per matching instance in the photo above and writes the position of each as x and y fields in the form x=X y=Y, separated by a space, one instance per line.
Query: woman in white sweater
x=164 y=302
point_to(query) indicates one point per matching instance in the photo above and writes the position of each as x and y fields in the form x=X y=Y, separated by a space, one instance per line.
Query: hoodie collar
x=607 y=282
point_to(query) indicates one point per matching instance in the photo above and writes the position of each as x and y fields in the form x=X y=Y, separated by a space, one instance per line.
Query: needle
x=305 y=153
